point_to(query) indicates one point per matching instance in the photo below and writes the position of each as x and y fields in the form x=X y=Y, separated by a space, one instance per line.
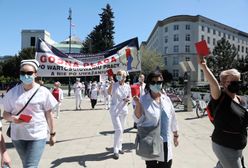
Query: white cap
x=32 y=62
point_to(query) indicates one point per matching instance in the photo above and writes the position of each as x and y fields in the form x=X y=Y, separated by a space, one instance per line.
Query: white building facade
x=175 y=39
x=29 y=39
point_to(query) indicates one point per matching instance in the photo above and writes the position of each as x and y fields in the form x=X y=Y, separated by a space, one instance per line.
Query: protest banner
x=55 y=63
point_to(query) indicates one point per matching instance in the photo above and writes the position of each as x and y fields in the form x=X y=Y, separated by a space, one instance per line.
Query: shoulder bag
x=9 y=128
x=148 y=142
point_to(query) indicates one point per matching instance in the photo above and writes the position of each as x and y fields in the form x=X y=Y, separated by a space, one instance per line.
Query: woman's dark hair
x=156 y=73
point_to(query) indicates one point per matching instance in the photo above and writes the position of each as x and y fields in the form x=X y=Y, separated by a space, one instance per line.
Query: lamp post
x=69 y=18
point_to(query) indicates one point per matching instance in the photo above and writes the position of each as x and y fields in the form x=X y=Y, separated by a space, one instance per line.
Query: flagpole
x=69 y=18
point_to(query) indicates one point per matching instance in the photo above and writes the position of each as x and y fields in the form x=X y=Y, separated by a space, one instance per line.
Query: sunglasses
x=154 y=82
x=26 y=73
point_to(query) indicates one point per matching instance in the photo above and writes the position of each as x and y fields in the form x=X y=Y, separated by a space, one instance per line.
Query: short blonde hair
x=122 y=72
x=229 y=72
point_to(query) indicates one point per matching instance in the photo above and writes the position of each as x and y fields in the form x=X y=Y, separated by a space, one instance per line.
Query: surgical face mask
x=118 y=77
x=27 y=79
x=234 y=86
x=156 y=88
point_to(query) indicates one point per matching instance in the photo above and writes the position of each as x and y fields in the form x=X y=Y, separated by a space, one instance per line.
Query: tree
x=150 y=61
x=11 y=66
x=223 y=57
x=101 y=37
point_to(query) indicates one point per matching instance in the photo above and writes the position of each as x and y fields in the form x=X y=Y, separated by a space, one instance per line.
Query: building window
x=214 y=31
x=187 y=37
x=246 y=50
x=208 y=30
x=165 y=50
x=242 y=49
x=165 y=60
x=166 y=39
x=176 y=49
x=175 y=73
x=187 y=59
x=233 y=38
x=176 y=27
x=175 y=61
x=214 y=41
x=32 y=41
x=238 y=47
x=229 y=36
x=208 y=40
x=202 y=28
x=187 y=27
x=219 y=34
x=202 y=37
x=224 y=35
x=176 y=37
x=166 y=29
x=187 y=48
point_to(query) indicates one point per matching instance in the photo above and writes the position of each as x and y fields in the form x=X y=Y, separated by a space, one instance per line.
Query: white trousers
x=107 y=101
x=78 y=100
x=57 y=110
x=118 y=122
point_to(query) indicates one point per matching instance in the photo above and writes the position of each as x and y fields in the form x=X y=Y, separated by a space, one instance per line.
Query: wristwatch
x=53 y=134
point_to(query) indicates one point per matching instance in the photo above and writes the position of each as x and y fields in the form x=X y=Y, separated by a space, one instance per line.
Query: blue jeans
x=30 y=151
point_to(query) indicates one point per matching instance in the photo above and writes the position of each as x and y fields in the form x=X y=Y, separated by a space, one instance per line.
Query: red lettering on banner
x=68 y=63
x=43 y=58
x=106 y=61
x=113 y=59
x=51 y=59
x=86 y=64
x=60 y=61
x=99 y=63
x=75 y=64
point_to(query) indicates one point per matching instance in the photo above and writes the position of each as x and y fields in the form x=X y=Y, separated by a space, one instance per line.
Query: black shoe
x=135 y=126
x=121 y=152
x=116 y=156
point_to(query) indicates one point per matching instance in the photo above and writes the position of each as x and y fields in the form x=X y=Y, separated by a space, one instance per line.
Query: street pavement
x=85 y=138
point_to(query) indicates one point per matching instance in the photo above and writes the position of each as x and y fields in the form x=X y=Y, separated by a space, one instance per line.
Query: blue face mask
x=27 y=79
x=118 y=77
x=156 y=88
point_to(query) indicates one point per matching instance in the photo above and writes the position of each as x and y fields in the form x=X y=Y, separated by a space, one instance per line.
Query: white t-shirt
x=119 y=92
x=93 y=93
x=43 y=101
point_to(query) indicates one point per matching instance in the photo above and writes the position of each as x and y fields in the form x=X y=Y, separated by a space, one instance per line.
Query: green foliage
x=150 y=61
x=11 y=66
x=223 y=57
x=101 y=37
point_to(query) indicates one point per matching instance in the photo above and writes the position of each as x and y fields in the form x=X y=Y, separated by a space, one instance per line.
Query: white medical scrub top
x=43 y=101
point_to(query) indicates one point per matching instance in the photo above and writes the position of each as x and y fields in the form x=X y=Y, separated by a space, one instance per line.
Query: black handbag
x=9 y=128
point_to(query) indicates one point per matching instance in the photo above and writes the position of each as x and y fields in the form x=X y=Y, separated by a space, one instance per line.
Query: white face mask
x=156 y=88
x=118 y=77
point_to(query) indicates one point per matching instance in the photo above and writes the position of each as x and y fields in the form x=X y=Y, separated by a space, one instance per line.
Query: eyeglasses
x=26 y=73
x=154 y=82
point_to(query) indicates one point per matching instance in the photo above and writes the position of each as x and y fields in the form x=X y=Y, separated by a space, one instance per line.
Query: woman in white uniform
x=29 y=138
x=78 y=93
x=153 y=107
x=121 y=93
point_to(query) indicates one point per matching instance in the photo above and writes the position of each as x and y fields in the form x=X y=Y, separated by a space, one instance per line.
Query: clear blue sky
x=133 y=18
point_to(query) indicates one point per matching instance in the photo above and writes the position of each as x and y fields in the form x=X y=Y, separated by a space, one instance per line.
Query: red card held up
x=202 y=48
x=110 y=72
x=25 y=118
x=135 y=90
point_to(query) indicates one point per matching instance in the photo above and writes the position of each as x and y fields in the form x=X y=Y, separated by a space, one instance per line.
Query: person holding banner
x=78 y=93
x=121 y=93
x=35 y=104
